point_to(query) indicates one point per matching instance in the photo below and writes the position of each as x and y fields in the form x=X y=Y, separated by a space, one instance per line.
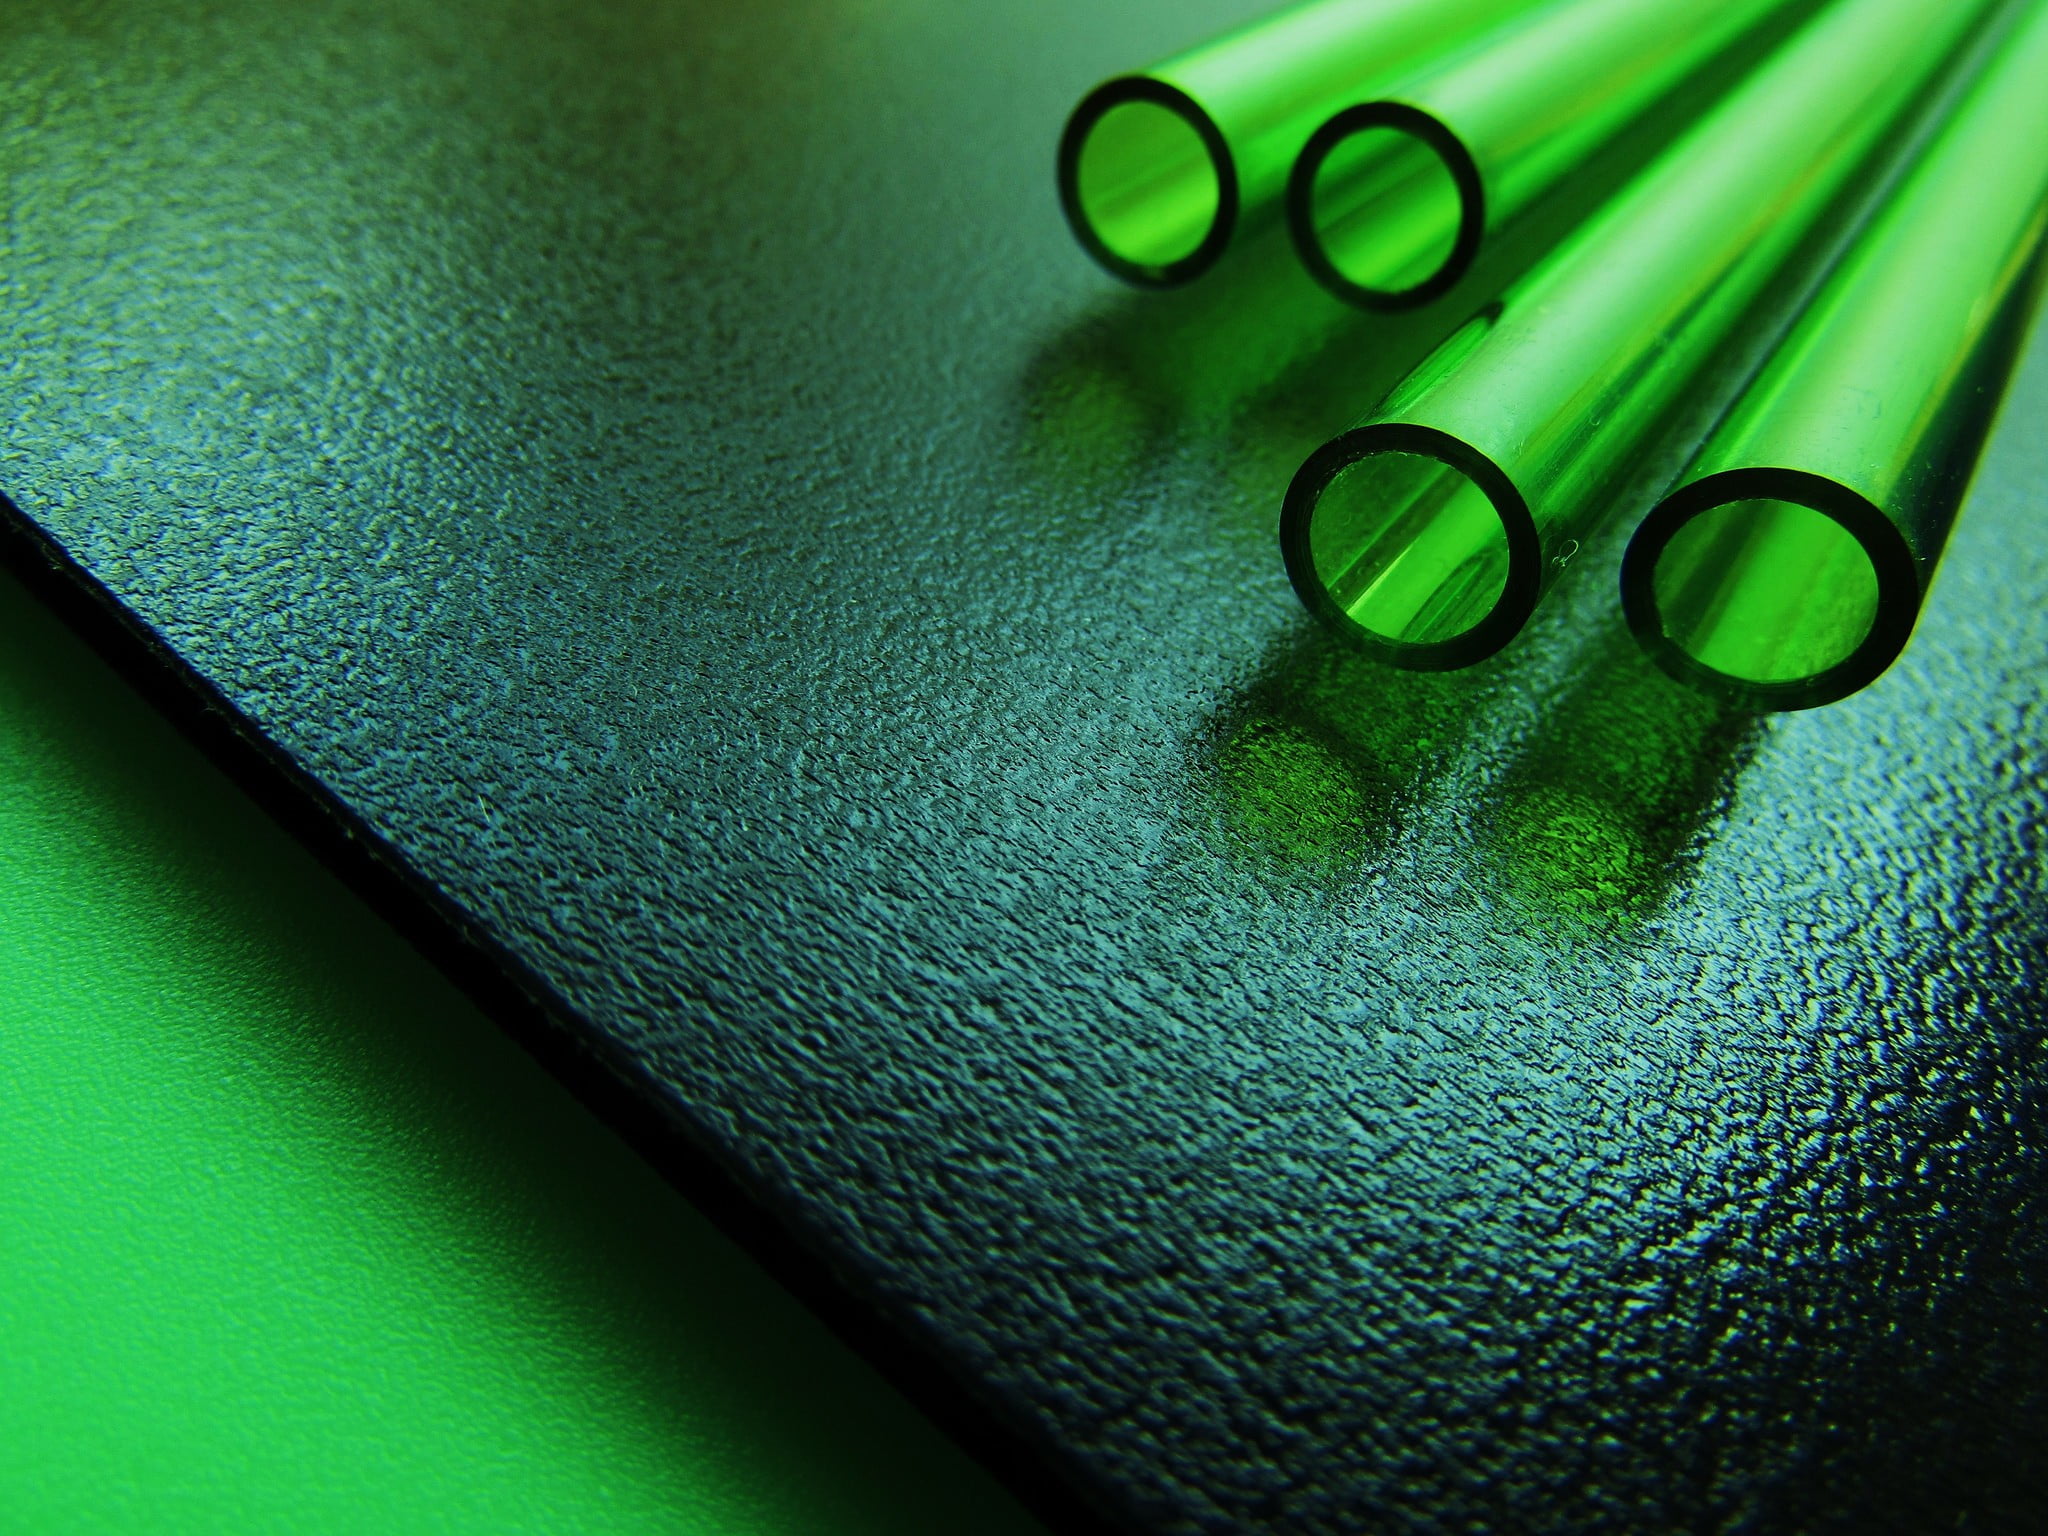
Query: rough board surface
x=663 y=474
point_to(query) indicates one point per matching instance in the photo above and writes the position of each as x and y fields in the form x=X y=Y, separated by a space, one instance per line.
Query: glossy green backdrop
x=291 y=1238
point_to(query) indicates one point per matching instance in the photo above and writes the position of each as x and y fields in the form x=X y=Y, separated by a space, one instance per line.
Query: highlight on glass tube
x=1392 y=198
x=1788 y=568
x=1542 y=401
x=1160 y=169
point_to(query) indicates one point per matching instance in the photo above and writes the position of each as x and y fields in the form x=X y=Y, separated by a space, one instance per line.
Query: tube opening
x=1386 y=206
x=1765 y=591
x=1146 y=186
x=1410 y=549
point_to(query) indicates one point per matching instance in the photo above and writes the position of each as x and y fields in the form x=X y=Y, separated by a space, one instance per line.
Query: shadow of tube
x=1614 y=794
x=1315 y=762
x=1146 y=373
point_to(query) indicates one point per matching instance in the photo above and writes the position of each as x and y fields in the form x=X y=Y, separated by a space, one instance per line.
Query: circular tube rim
x=1899 y=587
x=1519 y=593
x=1434 y=135
x=1096 y=105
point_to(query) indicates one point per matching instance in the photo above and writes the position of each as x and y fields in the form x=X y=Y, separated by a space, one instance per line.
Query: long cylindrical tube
x=1430 y=531
x=1157 y=170
x=1788 y=567
x=1392 y=197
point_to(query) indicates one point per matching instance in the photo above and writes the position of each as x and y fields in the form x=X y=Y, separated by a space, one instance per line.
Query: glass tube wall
x=1429 y=532
x=1158 y=170
x=1788 y=567
x=1392 y=198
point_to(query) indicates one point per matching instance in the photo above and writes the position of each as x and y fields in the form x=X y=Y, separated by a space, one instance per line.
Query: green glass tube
x=1429 y=532
x=1159 y=169
x=1789 y=566
x=1392 y=198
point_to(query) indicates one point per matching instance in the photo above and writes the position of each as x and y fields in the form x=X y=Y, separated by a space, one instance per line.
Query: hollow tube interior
x=1765 y=591
x=1409 y=548
x=1385 y=209
x=1147 y=185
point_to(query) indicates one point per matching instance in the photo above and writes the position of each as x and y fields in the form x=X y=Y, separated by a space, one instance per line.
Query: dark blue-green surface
x=663 y=478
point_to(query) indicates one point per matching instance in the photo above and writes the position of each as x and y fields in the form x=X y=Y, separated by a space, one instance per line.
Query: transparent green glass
x=1159 y=169
x=1392 y=197
x=1789 y=566
x=1429 y=532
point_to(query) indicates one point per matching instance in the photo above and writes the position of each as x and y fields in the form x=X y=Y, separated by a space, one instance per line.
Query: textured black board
x=652 y=491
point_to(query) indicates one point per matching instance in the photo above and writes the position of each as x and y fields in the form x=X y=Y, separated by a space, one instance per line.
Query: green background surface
x=292 y=1238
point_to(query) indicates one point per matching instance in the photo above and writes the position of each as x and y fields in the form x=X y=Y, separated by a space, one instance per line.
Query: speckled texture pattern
x=664 y=472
